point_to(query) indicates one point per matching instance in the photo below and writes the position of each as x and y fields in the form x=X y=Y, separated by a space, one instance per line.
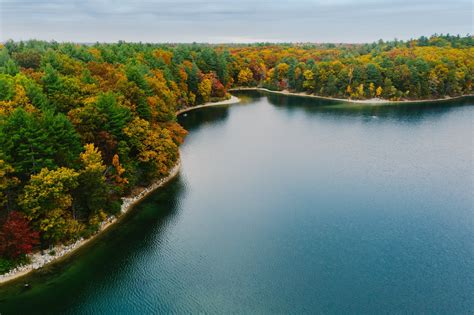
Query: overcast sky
x=232 y=21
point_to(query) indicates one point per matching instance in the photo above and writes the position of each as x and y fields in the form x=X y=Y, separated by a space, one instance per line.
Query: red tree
x=218 y=88
x=16 y=237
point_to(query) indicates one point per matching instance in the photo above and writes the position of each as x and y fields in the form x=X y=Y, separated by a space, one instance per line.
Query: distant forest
x=81 y=125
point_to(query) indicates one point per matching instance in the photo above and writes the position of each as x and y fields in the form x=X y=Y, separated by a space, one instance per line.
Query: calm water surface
x=290 y=205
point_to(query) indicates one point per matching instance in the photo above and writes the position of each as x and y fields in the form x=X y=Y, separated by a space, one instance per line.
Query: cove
x=289 y=205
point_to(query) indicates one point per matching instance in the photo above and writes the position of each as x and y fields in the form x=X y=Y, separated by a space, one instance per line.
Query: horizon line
x=232 y=43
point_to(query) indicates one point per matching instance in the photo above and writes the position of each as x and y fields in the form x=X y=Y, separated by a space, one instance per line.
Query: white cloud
x=224 y=21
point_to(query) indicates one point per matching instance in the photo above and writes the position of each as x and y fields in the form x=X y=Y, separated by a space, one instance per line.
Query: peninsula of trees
x=82 y=125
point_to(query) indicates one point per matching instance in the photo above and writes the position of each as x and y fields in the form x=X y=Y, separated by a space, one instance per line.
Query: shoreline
x=62 y=251
x=232 y=100
x=373 y=101
x=39 y=260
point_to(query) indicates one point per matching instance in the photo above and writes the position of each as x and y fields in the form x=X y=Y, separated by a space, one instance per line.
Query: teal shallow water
x=289 y=205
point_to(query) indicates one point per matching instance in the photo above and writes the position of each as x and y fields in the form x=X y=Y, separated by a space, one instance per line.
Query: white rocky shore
x=40 y=259
x=371 y=101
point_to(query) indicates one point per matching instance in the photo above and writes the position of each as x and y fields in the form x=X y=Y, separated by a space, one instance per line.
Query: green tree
x=373 y=74
x=31 y=142
x=193 y=78
x=25 y=143
x=8 y=183
x=62 y=137
x=116 y=116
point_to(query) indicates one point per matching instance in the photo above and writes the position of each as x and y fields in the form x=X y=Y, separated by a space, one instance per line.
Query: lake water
x=289 y=205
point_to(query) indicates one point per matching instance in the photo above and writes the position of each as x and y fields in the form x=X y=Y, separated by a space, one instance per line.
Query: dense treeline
x=82 y=125
x=418 y=69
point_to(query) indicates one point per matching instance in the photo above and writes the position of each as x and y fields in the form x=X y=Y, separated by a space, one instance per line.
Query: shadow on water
x=405 y=113
x=373 y=234
x=408 y=112
x=198 y=118
x=60 y=286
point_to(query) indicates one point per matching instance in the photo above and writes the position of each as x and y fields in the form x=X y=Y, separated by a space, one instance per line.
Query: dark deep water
x=290 y=205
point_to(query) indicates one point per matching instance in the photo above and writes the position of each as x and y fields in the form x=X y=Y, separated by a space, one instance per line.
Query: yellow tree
x=371 y=89
x=349 y=90
x=156 y=149
x=360 y=91
x=245 y=76
x=204 y=89
x=379 y=91
x=92 y=159
x=93 y=192
x=46 y=202
x=282 y=69
x=308 y=83
x=270 y=74
x=163 y=101
x=13 y=94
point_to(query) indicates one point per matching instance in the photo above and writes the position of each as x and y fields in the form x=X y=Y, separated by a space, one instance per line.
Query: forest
x=82 y=125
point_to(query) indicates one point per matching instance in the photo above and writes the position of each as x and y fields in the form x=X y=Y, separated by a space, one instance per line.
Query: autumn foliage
x=425 y=68
x=16 y=237
x=82 y=125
